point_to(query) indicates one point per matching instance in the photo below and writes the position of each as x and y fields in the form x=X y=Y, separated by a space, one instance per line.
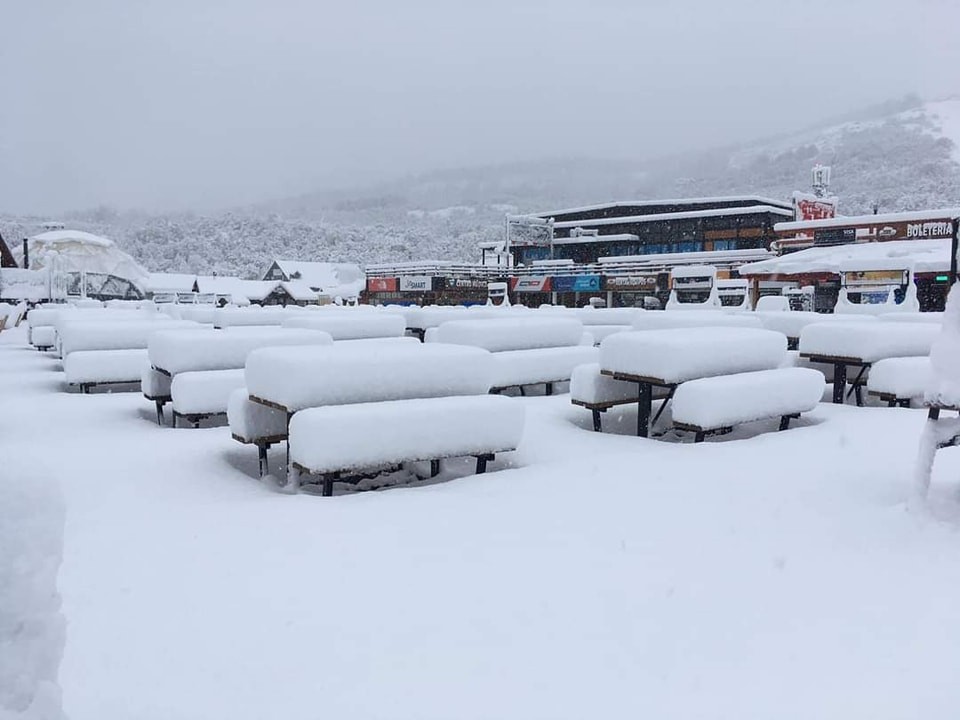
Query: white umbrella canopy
x=80 y=251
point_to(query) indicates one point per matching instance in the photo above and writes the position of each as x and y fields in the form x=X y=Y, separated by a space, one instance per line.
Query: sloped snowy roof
x=658 y=217
x=675 y=201
x=80 y=251
x=299 y=290
x=258 y=289
x=169 y=282
x=843 y=221
x=333 y=279
x=923 y=255
x=221 y=284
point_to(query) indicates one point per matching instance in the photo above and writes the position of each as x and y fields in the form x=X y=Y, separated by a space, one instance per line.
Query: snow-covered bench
x=351 y=325
x=526 y=350
x=860 y=345
x=83 y=335
x=287 y=379
x=253 y=423
x=201 y=394
x=89 y=368
x=175 y=351
x=591 y=389
x=539 y=366
x=155 y=387
x=334 y=442
x=717 y=404
x=43 y=337
x=897 y=381
x=675 y=319
x=668 y=358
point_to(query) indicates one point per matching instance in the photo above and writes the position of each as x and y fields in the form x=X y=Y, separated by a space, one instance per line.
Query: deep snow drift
x=757 y=575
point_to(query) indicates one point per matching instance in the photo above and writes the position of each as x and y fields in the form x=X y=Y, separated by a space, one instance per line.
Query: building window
x=691 y=247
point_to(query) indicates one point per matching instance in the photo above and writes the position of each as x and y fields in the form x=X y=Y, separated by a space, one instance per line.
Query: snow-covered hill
x=903 y=156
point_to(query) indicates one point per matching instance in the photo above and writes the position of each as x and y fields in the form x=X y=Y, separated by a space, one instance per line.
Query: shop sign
x=834 y=236
x=632 y=283
x=416 y=283
x=381 y=285
x=924 y=230
x=530 y=284
x=465 y=283
x=812 y=207
x=875 y=277
x=576 y=283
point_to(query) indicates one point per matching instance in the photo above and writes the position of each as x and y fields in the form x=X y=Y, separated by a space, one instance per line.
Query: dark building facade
x=620 y=229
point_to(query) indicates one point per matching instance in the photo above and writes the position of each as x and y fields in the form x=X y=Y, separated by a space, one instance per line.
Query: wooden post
x=839 y=382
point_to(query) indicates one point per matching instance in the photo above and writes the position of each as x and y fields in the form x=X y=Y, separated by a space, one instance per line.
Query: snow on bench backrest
x=682 y=354
x=327 y=439
x=297 y=378
x=664 y=319
x=773 y=303
x=730 y=400
x=104 y=335
x=870 y=341
x=204 y=391
x=350 y=325
x=518 y=333
x=177 y=351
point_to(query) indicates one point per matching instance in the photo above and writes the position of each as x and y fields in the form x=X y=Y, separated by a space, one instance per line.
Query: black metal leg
x=262 y=454
x=839 y=382
x=522 y=391
x=482 y=463
x=643 y=410
x=892 y=402
x=858 y=393
x=159 y=412
x=328 y=479
x=549 y=390
x=434 y=468
x=784 y=422
x=663 y=405
x=933 y=413
x=173 y=418
x=597 y=426
x=699 y=436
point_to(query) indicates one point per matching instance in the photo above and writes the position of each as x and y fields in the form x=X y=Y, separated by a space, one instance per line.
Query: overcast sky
x=175 y=104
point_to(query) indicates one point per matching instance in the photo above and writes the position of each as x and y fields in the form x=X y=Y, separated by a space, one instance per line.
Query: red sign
x=381 y=285
x=812 y=207
x=530 y=284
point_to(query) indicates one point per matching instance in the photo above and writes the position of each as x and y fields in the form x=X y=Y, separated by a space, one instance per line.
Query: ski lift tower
x=542 y=228
x=821 y=180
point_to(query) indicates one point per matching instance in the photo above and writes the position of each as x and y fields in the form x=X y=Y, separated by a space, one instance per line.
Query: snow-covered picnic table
x=668 y=358
x=859 y=345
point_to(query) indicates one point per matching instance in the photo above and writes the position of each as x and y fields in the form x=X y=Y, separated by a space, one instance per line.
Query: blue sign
x=576 y=283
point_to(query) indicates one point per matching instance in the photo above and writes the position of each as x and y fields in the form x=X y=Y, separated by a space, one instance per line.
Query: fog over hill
x=903 y=156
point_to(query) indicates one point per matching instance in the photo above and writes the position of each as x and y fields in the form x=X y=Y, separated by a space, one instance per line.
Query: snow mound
x=32 y=628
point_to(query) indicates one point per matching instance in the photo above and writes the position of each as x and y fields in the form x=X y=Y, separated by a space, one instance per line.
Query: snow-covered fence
x=332 y=441
x=717 y=404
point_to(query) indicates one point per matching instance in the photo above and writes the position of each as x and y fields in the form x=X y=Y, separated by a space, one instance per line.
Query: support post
x=699 y=436
x=262 y=454
x=839 y=382
x=434 y=468
x=159 y=412
x=597 y=425
x=482 y=462
x=644 y=405
x=549 y=390
x=784 y=422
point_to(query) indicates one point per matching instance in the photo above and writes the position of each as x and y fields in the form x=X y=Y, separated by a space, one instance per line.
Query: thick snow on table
x=351 y=326
x=923 y=317
x=254 y=316
x=178 y=351
x=326 y=439
x=297 y=378
x=730 y=400
x=518 y=333
x=684 y=354
x=529 y=367
x=869 y=341
x=106 y=335
x=599 y=332
x=757 y=575
x=204 y=391
x=669 y=319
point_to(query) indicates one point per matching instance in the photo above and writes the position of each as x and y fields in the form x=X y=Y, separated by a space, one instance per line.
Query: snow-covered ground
x=758 y=575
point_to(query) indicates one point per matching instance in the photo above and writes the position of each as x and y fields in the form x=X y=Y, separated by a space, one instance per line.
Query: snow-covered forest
x=902 y=156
